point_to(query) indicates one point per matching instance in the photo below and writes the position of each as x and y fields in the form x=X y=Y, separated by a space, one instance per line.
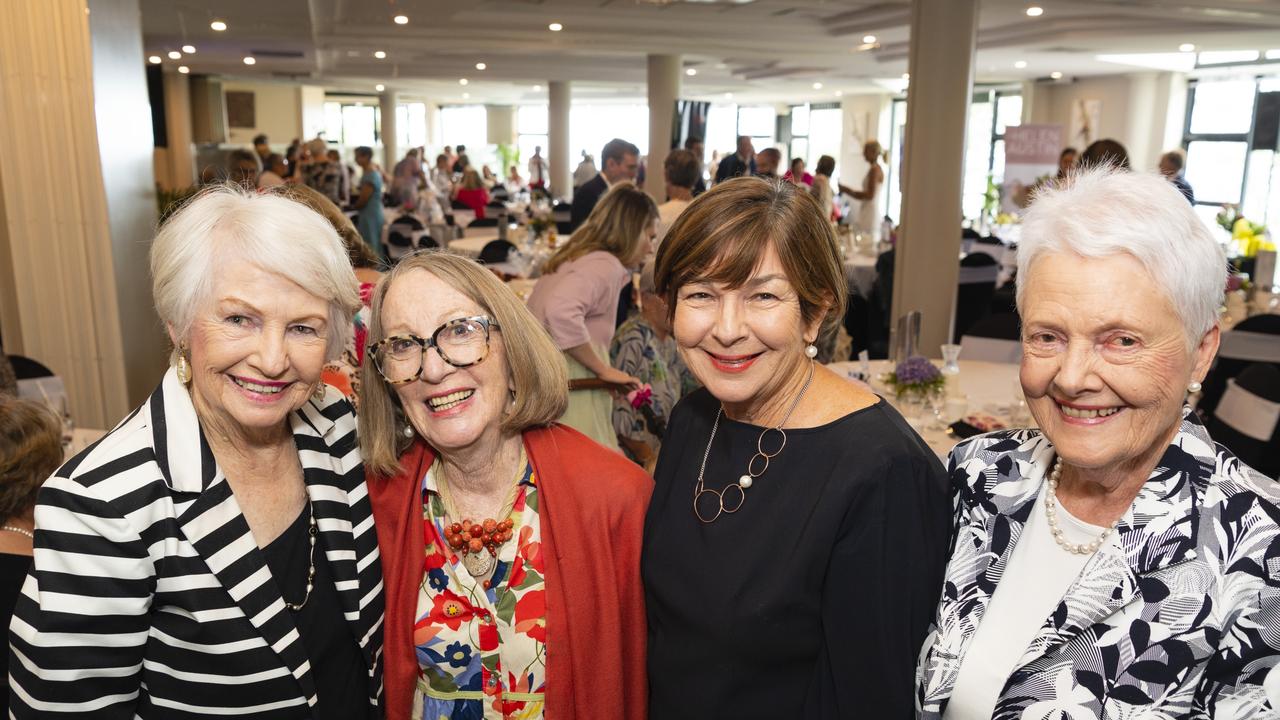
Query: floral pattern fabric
x=344 y=372
x=482 y=650
x=1178 y=619
x=637 y=351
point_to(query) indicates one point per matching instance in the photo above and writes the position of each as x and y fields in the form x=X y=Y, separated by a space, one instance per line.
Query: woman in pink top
x=576 y=299
x=797 y=174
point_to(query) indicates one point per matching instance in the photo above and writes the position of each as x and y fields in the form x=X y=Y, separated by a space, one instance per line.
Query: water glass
x=950 y=359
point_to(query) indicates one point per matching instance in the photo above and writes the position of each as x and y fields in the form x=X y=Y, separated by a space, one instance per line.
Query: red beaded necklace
x=477 y=543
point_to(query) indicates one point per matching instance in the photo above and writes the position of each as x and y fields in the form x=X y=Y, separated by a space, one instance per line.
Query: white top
x=667 y=214
x=1037 y=578
x=869 y=211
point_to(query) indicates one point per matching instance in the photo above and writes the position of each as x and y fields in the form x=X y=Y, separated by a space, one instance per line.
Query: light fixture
x=1035 y=11
x=154 y=60
x=1020 y=64
x=839 y=93
x=728 y=96
x=380 y=54
x=537 y=88
x=466 y=96
x=481 y=66
x=175 y=55
x=379 y=87
x=1186 y=47
x=184 y=69
x=189 y=49
x=249 y=60
x=463 y=81
x=817 y=86
x=691 y=72
x=555 y=27
x=868 y=39
x=218 y=25
x=1055 y=75
x=401 y=19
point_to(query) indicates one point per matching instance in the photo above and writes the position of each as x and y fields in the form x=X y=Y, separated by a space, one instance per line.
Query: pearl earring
x=408 y=431
x=1194 y=387
x=811 y=351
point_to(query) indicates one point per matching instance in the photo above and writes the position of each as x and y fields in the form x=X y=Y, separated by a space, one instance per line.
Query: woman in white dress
x=868 y=219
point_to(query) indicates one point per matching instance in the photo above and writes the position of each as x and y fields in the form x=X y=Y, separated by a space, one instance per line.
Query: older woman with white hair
x=214 y=554
x=1116 y=562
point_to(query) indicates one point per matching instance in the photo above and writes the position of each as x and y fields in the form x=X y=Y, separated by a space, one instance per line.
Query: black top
x=342 y=677
x=585 y=197
x=814 y=598
x=13 y=572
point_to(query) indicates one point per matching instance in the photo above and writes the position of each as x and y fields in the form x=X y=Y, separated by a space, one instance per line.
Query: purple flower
x=916 y=370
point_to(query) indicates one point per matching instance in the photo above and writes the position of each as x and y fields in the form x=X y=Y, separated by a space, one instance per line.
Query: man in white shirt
x=537 y=169
x=681 y=169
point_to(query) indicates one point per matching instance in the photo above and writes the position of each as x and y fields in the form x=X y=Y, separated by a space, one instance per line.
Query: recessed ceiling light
x=555 y=27
x=839 y=93
x=868 y=39
x=379 y=87
x=817 y=86
x=728 y=96
x=184 y=69
x=1035 y=11
x=250 y=60
x=1055 y=75
x=189 y=49
x=466 y=95
x=1186 y=47
x=401 y=19
x=1020 y=64
x=154 y=60
x=691 y=72
x=463 y=81
x=218 y=25
x=537 y=88
x=175 y=55
x=481 y=66
x=380 y=54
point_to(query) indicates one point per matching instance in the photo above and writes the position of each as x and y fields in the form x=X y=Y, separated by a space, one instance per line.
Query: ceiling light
x=466 y=95
x=189 y=49
x=1035 y=11
x=401 y=19
x=175 y=55
x=1186 y=47
x=839 y=93
x=555 y=27
x=1055 y=75
x=218 y=25
x=1020 y=64
x=728 y=96
x=379 y=87
x=184 y=69
x=154 y=59
x=817 y=86
x=463 y=81
x=868 y=39
x=249 y=60
x=690 y=72
x=380 y=54
x=537 y=88
x=481 y=66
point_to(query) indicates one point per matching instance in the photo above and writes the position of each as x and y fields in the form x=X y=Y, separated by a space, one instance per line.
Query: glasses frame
x=425 y=344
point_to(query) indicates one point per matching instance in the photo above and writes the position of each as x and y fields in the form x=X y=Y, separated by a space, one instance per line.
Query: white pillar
x=561 y=165
x=943 y=34
x=664 y=90
x=390 y=149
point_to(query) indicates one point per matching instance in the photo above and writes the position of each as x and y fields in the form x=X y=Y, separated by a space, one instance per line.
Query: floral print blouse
x=637 y=351
x=482 y=650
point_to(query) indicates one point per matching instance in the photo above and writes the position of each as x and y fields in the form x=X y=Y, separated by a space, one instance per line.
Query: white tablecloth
x=860 y=273
x=471 y=246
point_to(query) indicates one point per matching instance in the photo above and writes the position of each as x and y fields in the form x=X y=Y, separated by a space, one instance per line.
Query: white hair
x=277 y=234
x=1101 y=211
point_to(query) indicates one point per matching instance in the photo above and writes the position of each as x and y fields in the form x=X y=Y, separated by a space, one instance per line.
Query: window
x=591 y=126
x=531 y=132
x=352 y=124
x=411 y=125
x=990 y=113
x=467 y=125
x=1230 y=140
x=758 y=121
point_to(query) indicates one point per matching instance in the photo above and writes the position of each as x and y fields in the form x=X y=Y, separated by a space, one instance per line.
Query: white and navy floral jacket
x=1178 y=619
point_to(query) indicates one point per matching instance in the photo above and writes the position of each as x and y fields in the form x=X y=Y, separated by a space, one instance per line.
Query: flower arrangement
x=1249 y=237
x=540 y=221
x=642 y=399
x=916 y=376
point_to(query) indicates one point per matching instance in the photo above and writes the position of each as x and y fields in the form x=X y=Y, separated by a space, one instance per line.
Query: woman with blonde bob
x=576 y=300
x=510 y=544
x=220 y=536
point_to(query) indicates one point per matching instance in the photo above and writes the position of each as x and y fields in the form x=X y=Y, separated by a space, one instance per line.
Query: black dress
x=811 y=601
x=13 y=573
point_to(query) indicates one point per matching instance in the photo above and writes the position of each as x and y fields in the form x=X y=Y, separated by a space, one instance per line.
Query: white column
x=943 y=34
x=390 y=148
x=664 y=90
x=558 y=101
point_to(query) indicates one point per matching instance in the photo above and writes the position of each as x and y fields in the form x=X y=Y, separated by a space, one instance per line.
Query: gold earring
x=319 y=392
x=183 y=368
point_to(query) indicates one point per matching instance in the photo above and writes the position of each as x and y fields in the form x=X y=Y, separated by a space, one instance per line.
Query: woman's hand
x=617 y=377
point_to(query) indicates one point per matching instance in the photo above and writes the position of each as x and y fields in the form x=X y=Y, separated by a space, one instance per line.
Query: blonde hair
x=614 y=226
x=537 y=369
x=30 y=450
x=471 y=179
x=279 y=235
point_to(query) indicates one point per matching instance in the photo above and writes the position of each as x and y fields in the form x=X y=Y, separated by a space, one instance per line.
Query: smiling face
x=257 y=349
x=1105 y=364
x=450 y=407
x=744 y=344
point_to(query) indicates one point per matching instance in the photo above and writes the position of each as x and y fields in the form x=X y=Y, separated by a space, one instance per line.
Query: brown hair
x=537 y=368
x=682 y=168
x=614 y=226
x=357 y=251
x=722 y=235
x=30 y=450
x=471 y=179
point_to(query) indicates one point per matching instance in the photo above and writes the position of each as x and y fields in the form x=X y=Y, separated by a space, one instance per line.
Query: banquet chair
x=484 y=222
x=994 y=338
x=38 y=383
x=974 y=290
x=1255 y=339
x=463 y=218
x=24 y=368
x=496 y=251
x=1247 y=418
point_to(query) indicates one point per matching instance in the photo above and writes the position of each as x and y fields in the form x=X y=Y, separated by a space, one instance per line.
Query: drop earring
x=811 y=351
x=319 y=392
x=183 y=368
x=408 y=431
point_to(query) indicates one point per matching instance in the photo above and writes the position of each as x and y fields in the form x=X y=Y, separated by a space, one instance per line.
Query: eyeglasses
x=461 y=343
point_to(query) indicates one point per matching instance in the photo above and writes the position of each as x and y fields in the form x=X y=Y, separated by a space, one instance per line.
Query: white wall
x=277 y=112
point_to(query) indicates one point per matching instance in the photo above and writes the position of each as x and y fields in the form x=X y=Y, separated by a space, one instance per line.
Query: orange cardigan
x=591 y=503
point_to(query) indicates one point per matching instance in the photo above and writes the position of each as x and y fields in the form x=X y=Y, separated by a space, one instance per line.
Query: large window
x=758 y=121
x=591 y=126
x=531 y=132
x=352 y=124
x=411 y=125
x=815 y=131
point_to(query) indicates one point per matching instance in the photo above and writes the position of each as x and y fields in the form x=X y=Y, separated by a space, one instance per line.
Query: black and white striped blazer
x=149 y=597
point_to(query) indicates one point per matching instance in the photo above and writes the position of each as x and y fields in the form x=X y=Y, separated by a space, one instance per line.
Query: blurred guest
x=1067 y=161
x=695 y=145
x=320 y=174
x=243 y=168
x=448 y=153
x=472 y=192
x=442 y=175
x=1105 y=152
x=797 y=174
x=742 y=162
x=406 y=177
x=262 y=147
x=643 y=348
x=514 y=182
x=487 y=176
x=621 y=162
x=460 y=161
x=292 y=156
x=681 y=169
x=344 y=178
x=273 y=172
x=585 y=171
x=30 y=451
x=868 y=217
x=576 y=299
x=1171 y=165
x=8 y=378
x=822 y=190
x=370 y=220
x=767 y=161
x=537 y=169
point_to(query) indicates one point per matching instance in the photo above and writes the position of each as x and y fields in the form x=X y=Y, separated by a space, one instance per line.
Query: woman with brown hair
x=472 y=192
x=510 y=545
x=576 y=299
x=796 y=538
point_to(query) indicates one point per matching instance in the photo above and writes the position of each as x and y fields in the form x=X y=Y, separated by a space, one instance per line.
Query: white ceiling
x=761 y=50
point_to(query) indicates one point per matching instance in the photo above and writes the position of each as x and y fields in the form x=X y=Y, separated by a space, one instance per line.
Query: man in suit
x=695 y=145
x=767 y=161
x=621 y=161
x=743 y=162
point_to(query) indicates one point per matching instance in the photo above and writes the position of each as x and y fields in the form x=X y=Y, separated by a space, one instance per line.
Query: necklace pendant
x=478 y=564
x=744 y=482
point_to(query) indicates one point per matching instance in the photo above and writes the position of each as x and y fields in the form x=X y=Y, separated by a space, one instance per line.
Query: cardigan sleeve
x=81 y=624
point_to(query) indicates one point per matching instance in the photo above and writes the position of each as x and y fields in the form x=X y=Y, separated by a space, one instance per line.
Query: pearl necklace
x=1051 y=514
x=312 y=531
x=20 y=531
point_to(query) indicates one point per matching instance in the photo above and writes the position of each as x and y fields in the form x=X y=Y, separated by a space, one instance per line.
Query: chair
x=459 y=205
x=994 y=338
x=974 y=291
x=881 y=302
x=402 y=236
x=562 y=216
x=496 y=251
x=1256 y=339
x=24 y=368
x=1247 y=418
x=484 y=222
x=38 y=383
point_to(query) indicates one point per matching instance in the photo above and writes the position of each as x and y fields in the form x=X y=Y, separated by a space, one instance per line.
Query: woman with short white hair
x=1116 y=562
x=214 y=554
